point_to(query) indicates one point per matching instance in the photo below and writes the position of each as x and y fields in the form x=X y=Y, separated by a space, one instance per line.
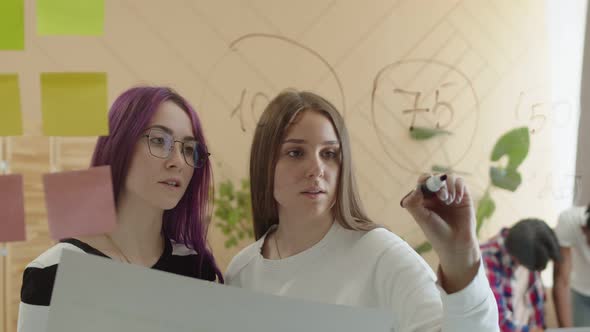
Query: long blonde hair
x=269 y=135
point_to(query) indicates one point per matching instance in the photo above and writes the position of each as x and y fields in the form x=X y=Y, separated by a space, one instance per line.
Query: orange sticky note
x=80 y=203
x=12 y=208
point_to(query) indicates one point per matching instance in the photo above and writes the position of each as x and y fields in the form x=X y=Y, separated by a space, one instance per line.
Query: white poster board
x=95 y=294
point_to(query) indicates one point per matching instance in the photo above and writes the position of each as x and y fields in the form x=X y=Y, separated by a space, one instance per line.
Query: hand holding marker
x=449 y=227
x=432 y=185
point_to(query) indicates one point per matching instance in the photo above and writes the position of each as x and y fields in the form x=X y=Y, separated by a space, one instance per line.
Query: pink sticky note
x=80 y=203
x=12 y=208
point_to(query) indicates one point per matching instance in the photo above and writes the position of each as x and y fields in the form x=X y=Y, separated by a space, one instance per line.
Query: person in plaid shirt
x=514 y=260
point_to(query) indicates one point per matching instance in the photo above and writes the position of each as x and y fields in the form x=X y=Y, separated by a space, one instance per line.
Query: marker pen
x=432 y=185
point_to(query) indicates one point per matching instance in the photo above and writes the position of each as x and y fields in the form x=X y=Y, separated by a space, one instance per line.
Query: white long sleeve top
x=369 y=269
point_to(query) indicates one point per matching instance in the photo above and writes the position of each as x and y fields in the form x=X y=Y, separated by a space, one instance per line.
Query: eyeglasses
x=161 y=144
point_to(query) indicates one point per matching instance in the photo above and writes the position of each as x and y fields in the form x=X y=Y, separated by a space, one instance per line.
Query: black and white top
x=39 y=277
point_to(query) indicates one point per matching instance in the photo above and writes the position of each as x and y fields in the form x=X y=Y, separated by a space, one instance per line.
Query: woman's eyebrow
x=169 y=131
x=302 y=141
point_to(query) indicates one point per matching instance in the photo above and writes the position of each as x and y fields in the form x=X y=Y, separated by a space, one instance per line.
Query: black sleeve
x=207 y=271
x=38 y=285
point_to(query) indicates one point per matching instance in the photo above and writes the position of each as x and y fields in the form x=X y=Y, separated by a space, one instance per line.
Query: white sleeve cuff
x=470 y=297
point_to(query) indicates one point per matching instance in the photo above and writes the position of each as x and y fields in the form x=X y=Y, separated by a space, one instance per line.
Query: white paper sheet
x=95 y=294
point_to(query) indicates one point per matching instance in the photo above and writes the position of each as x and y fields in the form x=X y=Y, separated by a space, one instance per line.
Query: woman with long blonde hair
x=315 y=242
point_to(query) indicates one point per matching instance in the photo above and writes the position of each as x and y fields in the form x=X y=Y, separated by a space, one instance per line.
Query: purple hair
x=129 y=116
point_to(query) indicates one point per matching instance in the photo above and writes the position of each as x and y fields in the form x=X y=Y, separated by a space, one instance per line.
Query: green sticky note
x=12 y=25
x=70 y=17
x=74 y=104
x=11 y=122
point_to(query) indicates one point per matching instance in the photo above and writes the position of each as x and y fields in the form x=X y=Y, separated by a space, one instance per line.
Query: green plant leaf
x=485 y=209
x=423 y=248
x=439 y=169
x=242 y=199
x=234 y=217
x=234 y=241
x=423 y=133
x=231 y=242
x=246 y=185
x=234 y=210
x=227 y=243
x=226 y=189
x=505 y=178
x=515 y=145
x=224 y=228
x=222 y=211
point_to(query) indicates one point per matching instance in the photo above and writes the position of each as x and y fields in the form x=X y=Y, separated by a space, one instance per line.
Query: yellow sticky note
x=12 y=25
x=70 y=17
x=11 y=122
x=74 y=104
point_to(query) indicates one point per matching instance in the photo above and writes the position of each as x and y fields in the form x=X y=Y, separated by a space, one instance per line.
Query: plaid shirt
x=499 y=269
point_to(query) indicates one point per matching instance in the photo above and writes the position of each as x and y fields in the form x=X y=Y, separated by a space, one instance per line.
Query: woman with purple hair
x=161 y=180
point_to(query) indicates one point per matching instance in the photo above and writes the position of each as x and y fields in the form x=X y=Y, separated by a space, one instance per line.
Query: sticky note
x=80 y=203
x=74 y=104
x=70 y=17
x=11 y=123
x=12 y=208
x=12 y=25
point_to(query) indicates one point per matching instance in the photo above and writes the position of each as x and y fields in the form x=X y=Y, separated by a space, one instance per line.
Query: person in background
x=514 y=260
x=571 y=290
